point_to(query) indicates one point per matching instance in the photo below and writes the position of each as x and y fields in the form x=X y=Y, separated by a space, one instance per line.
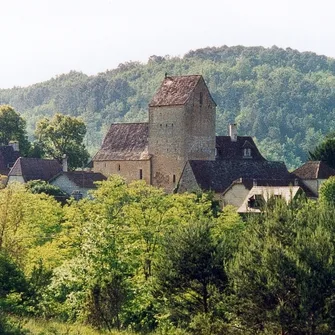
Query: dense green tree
x=13 y=128
x=325 y=151
x=189 y=267
x=327 y=192
x=41 y=186
x=282 y=273
x=63 y=135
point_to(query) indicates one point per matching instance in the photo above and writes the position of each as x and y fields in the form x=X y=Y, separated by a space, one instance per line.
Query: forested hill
x=284 y=98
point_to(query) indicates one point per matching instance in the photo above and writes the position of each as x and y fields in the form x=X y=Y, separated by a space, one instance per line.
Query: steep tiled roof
x=125 y=141
x=35 y=168
x=7 y=158
x=228 y=149
x=218 y=175
x=314 y=170
x=84 y=179
x=175 y=90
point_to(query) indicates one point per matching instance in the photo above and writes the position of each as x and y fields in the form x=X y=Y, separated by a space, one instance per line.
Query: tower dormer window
x=247 y=153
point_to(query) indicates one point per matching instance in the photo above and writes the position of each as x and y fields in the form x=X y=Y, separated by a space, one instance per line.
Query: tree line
x=133 y=258
x=282 y=97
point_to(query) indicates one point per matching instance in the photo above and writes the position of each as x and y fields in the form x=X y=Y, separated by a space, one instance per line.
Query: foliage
x=133 y=258
x=282 y=273
x=26 y=221
x=325 y=151
x=13 y=128
x=63 y=135
x=327 y=192
x=41 y=186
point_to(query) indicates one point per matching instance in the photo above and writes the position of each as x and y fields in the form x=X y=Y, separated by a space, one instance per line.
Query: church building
x=181 y=127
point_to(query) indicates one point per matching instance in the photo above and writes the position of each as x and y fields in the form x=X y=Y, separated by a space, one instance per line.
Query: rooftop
x=314 y=170
x=218 y=175
x=175 y=90
x=125 y=141
x=228 y=149
x=35 y=168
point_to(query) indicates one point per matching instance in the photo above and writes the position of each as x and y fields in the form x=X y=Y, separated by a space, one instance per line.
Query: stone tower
x=181 y=128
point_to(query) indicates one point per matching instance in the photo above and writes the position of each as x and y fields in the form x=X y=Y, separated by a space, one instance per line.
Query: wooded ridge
x=284 y=98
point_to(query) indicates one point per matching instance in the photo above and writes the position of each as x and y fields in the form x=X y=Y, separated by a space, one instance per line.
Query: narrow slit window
x=174 y=178
x=200 y=99
x=119 y=167
x=141 y=174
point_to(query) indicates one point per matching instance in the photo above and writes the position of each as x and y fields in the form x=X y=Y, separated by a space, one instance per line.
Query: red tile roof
x=314 y=170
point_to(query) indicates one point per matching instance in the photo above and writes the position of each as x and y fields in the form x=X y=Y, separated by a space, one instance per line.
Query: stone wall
x=130 y=170
x=200 y=124
x=181 y=133
x=167 y=144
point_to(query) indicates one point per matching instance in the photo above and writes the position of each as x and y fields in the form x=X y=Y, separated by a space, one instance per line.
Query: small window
x=141 y=174
x=174 y=178
x=119 y=167
x=200 y=99
x=247 y=152
x=256 y=201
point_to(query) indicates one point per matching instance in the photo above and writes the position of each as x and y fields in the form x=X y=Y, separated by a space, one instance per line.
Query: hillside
x=284 y=98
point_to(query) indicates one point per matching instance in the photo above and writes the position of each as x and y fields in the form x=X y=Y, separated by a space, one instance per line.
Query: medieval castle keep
x=181 y=128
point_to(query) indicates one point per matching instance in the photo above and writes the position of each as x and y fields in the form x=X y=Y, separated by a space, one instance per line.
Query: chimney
x=64 y=163
x=233 y=132
x=254 y=182
x=15 y=145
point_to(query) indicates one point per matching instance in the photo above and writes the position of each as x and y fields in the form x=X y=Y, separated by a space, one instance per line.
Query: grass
x=43 y=327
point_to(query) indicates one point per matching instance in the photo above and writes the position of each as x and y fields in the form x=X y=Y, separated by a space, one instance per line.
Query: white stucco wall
x=18 y=179
x=68 y=186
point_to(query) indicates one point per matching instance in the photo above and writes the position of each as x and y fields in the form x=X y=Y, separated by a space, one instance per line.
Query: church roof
x=175 y=90
x=35 y=168
x=125 y=141
x=228 y=149
x=218 y=175
x=314 y=170
x=8 y=156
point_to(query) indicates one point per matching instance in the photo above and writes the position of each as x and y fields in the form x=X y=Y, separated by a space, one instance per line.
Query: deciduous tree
x=63 y=135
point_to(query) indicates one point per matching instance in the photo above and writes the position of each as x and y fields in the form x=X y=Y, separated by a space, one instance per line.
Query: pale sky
x=44 y=38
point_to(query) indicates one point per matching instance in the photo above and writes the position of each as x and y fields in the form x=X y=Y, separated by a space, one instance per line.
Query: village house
x=73 y=183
